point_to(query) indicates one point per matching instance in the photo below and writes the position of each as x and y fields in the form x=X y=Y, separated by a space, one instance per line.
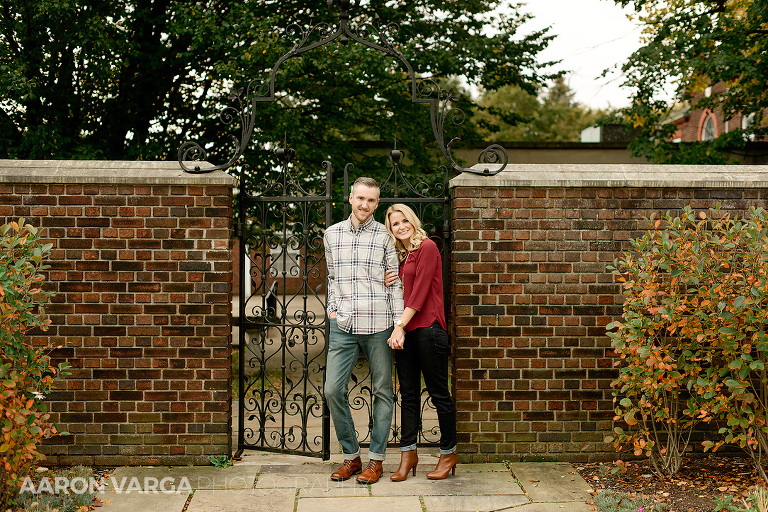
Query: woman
x=426 y=347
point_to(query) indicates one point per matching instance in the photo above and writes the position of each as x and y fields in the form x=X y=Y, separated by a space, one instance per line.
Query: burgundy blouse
x=422 y=277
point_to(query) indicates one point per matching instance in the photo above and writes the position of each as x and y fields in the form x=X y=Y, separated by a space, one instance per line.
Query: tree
x=692 y=44
x=513 y=114
x=132 y=79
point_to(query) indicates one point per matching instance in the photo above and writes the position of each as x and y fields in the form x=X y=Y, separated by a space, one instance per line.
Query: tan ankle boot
x=408 y=460
x=444 y=465
x=371 y=473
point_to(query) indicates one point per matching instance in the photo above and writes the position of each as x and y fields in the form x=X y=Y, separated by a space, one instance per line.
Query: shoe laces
x=371 y=465
x=347 y=463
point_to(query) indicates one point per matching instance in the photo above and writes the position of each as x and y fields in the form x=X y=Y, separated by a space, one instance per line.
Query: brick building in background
x=704 y=124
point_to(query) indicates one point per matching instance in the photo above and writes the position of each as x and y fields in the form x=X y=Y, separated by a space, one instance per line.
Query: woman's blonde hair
x=418 y=233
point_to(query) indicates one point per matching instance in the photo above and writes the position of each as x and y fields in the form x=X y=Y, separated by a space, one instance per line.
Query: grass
x=611 y=501
x=62 y=502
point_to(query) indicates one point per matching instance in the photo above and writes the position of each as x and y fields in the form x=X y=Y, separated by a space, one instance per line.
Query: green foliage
x=122 y=79
x=612 y=501
x=693 y=44
x=757 y=501
x=692 y=337
x=220 y=461
x=63 y=502
x=26 y=374
x=513 y=114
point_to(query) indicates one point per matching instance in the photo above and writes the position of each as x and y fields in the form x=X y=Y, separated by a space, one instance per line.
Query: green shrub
x=26 y=374
x=757 y=501
x=692 y=337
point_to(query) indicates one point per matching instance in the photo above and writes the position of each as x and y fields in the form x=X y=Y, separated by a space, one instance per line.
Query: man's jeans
x=343 y=351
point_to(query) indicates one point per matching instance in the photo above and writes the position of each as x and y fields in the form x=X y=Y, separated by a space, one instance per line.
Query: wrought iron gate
x=282 y=321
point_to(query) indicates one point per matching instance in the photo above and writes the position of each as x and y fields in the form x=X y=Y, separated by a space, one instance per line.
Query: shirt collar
x=361 y=227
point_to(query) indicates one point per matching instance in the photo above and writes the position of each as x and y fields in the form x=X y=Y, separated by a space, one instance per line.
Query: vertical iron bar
x=264 y=327
x=241 y=317
x=345 y=192
x=328 y=220
x=447 y=284
x=283 y=325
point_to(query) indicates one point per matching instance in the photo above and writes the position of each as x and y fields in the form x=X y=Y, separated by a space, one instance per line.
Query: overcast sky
x=592 y=35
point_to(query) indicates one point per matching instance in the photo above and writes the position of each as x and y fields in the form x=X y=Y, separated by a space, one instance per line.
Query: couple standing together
x=362 y=257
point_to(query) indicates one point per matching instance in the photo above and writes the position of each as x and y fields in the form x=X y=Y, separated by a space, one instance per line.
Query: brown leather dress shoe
x=349 y=468
x=446 y=464
x=371 y=473
x=408 y=460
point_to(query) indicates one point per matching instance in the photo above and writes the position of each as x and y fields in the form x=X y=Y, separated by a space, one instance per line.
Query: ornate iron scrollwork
x=441 y=102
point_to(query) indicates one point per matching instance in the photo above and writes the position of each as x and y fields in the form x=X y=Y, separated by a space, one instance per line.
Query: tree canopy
x=513 y=114
x=692 y=44
x=133 y=79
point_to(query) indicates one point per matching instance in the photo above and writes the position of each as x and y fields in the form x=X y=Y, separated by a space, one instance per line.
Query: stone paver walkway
x=287 y=483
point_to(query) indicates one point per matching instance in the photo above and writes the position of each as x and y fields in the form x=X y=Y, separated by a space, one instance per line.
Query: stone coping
x=107 y=172
x=618 y=175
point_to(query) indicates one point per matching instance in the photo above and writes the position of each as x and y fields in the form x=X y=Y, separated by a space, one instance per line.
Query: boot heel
x=453 y=471
x=414 y=469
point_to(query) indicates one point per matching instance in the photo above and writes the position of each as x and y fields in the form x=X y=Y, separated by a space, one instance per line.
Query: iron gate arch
x=285 y=243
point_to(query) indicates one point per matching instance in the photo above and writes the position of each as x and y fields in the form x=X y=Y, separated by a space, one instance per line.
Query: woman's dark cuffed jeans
x=426 y=351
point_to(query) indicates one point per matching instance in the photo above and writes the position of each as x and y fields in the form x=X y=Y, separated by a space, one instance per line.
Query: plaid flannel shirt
x=356 y=260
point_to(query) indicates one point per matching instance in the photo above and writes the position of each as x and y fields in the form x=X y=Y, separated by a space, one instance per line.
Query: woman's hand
x=390 y=278
x=397 y=339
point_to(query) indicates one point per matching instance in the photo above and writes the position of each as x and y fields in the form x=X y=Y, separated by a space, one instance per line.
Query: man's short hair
x=362 y=180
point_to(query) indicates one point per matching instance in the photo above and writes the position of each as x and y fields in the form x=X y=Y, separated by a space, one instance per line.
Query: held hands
x=397 y=339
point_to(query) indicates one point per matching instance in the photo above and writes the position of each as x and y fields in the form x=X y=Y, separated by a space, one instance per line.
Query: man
x=362 y=313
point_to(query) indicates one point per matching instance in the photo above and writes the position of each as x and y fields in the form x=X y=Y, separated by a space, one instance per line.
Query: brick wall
x=141 y=267
x=531 y=295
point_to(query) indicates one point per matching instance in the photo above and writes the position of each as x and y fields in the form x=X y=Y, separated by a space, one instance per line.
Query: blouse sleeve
x=427 y=263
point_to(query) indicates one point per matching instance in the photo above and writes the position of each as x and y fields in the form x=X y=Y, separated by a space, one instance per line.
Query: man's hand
x=332 y=315
x=390 y=278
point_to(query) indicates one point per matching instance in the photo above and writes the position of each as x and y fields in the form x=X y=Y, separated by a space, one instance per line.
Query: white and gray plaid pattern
x=356 y=260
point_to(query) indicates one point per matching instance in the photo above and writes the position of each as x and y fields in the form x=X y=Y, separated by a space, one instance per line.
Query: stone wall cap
x=107 y=172
x=617 y=175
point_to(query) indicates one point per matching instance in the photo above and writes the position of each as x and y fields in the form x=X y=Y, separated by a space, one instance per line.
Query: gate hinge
x=239 y=230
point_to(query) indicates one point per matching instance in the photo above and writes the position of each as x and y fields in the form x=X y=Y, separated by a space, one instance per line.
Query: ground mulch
x=700 y=481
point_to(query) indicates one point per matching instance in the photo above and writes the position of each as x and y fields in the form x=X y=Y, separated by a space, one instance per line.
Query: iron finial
x=395 y=155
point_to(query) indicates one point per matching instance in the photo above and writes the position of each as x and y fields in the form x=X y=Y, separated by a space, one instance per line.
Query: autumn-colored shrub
x=692 y=338
x=26 y=374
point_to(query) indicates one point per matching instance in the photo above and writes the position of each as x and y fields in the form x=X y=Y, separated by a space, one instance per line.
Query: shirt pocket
x=377 y=264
